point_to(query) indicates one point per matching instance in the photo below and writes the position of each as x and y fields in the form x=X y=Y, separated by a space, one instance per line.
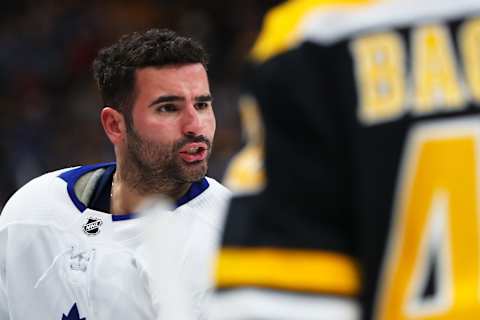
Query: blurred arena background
x=50 y=106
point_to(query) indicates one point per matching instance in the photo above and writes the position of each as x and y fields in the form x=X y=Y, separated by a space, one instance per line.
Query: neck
x=126 y=198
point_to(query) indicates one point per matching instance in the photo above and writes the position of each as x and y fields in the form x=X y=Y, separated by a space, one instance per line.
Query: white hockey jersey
x=61 y=260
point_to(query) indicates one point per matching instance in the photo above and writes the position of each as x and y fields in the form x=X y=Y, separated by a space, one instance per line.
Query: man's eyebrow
x=172 y=98
x=166 y=99
x=204 y=98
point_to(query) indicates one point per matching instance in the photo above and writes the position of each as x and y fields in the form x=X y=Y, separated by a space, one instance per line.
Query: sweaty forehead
x=184 y=80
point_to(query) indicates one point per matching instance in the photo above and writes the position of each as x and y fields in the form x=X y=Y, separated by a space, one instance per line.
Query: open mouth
x=194 y=152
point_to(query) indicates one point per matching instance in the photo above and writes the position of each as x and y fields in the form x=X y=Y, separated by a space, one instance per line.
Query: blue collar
x=195 y=190
x=71 y=177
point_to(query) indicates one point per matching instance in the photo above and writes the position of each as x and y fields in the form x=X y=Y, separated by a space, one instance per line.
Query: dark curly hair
x=114 y=67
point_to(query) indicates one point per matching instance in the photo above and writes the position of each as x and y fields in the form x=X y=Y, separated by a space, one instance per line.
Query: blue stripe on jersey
x=121 y=217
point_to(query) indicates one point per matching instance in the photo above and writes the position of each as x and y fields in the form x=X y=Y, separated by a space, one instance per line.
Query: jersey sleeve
x=291 y=246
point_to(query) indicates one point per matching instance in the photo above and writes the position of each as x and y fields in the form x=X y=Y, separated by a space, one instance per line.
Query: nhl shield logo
x=92 y=227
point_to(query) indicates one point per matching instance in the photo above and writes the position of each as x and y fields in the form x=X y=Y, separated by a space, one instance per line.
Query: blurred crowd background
x=49 y=102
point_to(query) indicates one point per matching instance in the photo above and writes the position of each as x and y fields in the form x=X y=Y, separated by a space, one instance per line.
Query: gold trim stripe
x=280 y=29
x=288 y=269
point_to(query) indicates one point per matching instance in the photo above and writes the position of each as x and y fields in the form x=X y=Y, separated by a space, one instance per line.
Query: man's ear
x=113 y=123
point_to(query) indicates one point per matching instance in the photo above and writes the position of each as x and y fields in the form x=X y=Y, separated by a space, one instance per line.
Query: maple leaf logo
x=73 y=314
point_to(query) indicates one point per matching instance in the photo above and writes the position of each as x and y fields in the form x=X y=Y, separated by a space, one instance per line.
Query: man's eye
x=167 y=108
x=202 y=105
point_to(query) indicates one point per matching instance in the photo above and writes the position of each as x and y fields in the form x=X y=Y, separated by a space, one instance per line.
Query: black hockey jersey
x=372 y=137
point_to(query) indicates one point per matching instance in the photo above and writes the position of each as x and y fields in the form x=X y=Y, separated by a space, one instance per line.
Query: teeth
x=193 y=150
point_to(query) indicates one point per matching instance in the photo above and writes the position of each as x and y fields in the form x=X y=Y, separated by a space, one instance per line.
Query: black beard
x=151 y=168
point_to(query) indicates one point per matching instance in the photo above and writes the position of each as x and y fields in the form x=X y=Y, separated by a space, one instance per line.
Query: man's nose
x=191 y=123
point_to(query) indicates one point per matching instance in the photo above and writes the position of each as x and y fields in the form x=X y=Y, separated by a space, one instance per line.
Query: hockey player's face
x=173 y=125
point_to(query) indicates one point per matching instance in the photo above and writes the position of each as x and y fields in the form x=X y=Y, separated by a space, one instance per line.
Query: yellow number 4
x=431 y=269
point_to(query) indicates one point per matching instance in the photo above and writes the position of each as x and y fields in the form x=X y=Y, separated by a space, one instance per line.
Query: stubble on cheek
x=155 y=168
